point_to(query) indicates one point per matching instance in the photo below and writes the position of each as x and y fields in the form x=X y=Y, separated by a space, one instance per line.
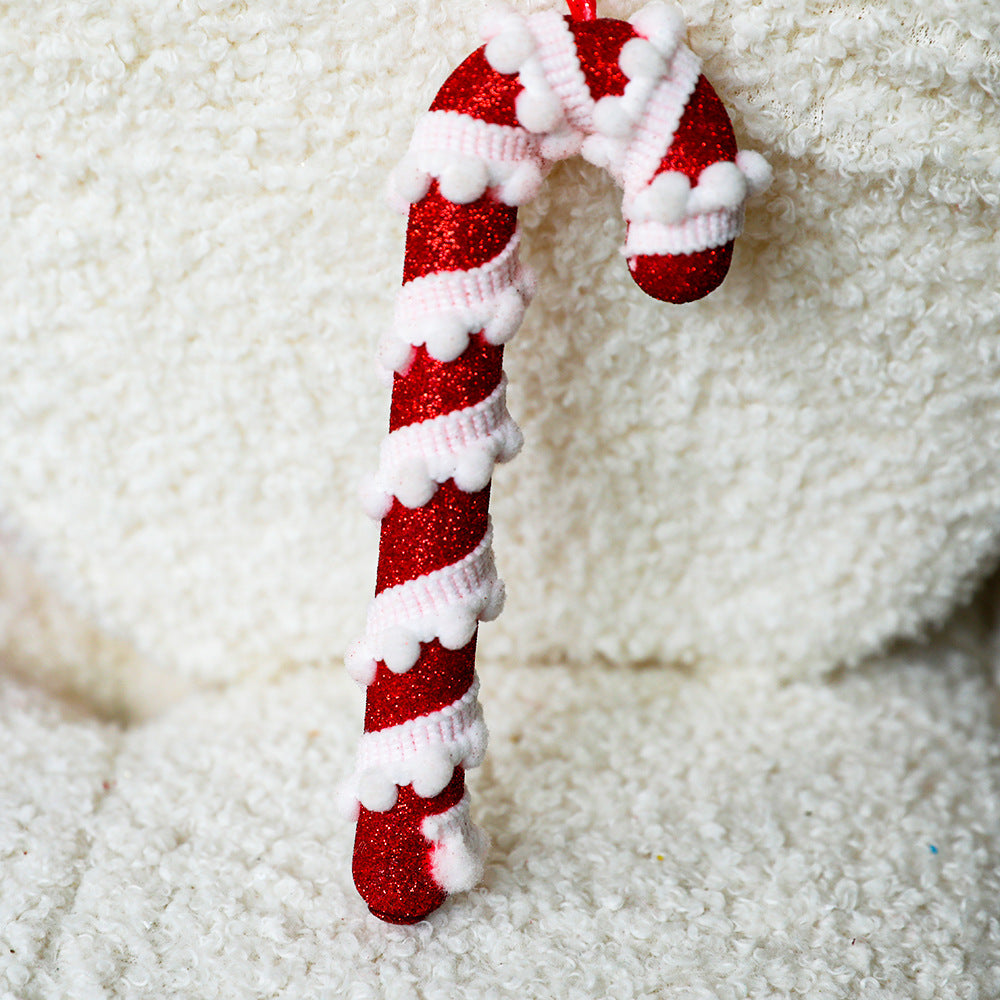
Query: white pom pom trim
x=459 y=848
x=422 y=752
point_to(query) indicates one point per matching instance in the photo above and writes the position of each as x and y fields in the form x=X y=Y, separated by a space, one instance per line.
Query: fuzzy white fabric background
x=779 y=479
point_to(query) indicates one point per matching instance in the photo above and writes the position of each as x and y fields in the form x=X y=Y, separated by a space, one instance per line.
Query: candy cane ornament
x=629 y=97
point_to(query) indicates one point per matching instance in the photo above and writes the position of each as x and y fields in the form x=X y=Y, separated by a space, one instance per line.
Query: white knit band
x=700 y=232
x=442 y=310
x=463 y=445
x=655 y=130
x=445 y=605
x=422 y=752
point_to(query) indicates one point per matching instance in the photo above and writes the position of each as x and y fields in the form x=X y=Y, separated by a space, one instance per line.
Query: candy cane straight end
x=630 y=97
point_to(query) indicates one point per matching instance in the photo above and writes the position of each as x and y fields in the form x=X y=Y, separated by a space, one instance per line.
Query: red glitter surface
x=704 y=136
x=442 y=236
x=420 y=540
x=431 y=387
x=440 y=677
x=476 y=89
x=599 y=44
x=391 y=857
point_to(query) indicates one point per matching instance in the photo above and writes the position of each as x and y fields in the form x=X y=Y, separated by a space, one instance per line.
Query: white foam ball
x=522 y=185
x=611 y=118
x=495 y=602
x=511 y=441
x=347 y=802
x=497 y=17
x=394 y=353
x=641 y=59
x=755 y=169
x=400 y=649
x=473 y=470
x=360 y=664
x=478 y=737
x=508 y=51
x=538 y=110
x=457 y=864
x=457 y=630
x=412 y=483
x=662 y=24
x=664 y=200
x=408 y=182
x=720 y=185
x=507 y=315
x=464 y=180
x=375 y=501
x=446 y=338
x=431 y=773
x=562 y=144
x=376 y=792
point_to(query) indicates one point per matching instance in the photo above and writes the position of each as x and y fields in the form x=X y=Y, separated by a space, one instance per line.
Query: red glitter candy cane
x=630 y=97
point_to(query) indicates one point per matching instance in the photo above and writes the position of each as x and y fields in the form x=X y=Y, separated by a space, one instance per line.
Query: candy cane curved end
x=630 y=97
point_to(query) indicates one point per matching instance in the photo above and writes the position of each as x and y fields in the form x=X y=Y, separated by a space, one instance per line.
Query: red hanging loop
x=583 y=10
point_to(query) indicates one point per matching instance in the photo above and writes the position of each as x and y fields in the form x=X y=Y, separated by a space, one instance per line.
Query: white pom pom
x=611 y=118
x=473 y=470
x=538 y=110
x=495 y=602
x=412 y=484
x=478 y=737
x=561 y=145
x=376 y=792
x=596 y=150
x=662 y=24
x=641 y=59
x=526 y=282
x=408 y=182
x=507 y=314
x=394 y=353
x=457 y=861
x=431 y=773
x=511 y=441
x=664 y=200
x=508 y=50
x=400 y=649
x=464 y=180
x=755 y=169
x=522 y=185
x=496 y=18
x=446 y=337
x=347 y=802
x=375 y=501
x=457 y=630
x=720 y=185
x=361 y=665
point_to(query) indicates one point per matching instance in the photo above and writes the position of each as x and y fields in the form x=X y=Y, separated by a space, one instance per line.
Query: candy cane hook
x=631 y=98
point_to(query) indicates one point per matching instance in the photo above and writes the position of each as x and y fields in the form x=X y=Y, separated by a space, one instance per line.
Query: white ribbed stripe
x=444 y=605
x=459 y=849
x=463 y=588
x=561 y=66
x=701 y=232
x=454 y=132
x=463 y=445
x=442 y=310
x=663 y=112
x=422 y=752
x=460 y=293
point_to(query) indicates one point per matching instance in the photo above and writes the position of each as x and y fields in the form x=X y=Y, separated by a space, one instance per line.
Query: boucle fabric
x=198 y=267
x=655 y=835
